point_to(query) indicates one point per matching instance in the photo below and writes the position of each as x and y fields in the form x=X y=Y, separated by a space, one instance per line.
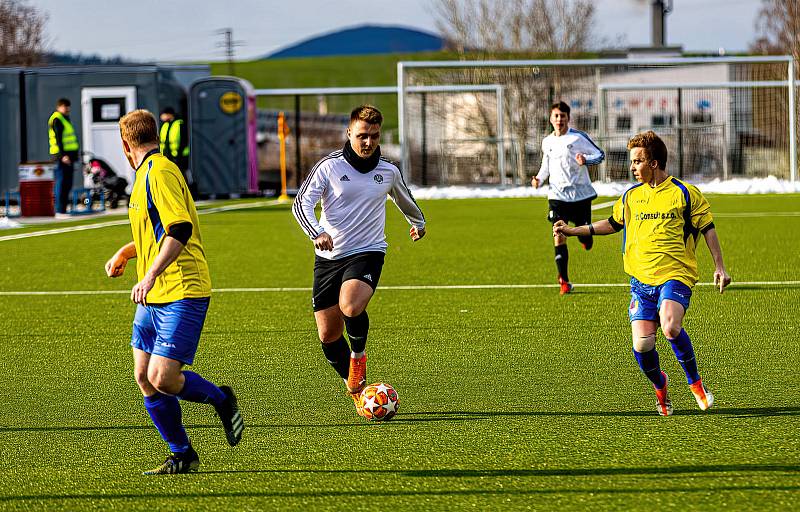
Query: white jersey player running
x=352 y=184
x=565 y=154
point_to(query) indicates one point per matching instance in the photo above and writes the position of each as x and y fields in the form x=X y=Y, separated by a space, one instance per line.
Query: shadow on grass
x=446 y=416
x=484 y=492
x=731 y=411
x=479 y=473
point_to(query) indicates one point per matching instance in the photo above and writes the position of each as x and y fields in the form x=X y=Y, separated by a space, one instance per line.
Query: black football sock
x=357 y=329
x=562 y=260
x=338 y=354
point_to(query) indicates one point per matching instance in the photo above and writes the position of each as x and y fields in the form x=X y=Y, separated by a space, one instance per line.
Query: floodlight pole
x=792 y=125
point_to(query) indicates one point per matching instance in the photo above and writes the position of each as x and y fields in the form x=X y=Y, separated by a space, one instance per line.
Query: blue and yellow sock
x=165 y=411
x=682 y=346
x=648 y=362
x=198 y=389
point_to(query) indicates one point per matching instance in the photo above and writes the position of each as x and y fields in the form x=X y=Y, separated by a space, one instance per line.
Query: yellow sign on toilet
x=230 y=102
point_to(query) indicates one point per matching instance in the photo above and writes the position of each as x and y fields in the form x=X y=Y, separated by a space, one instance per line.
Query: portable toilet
x=222 y=136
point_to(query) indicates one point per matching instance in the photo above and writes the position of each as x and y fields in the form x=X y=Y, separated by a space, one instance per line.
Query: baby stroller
x=102 y=177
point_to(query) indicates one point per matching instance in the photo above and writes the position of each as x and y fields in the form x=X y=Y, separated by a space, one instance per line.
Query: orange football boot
x=357 y=378
x=566 y=287
x=663 y=403
x=703 y=396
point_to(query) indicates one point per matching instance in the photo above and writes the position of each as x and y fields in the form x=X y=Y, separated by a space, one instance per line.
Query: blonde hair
x=138 y=128
x=653 y=146
x=367 y=113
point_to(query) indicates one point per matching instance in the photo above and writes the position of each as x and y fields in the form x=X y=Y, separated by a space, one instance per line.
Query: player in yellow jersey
x=173 y=295
x=660 y=219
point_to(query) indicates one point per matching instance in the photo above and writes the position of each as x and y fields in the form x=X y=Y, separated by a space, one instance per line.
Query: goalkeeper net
x=482 y=122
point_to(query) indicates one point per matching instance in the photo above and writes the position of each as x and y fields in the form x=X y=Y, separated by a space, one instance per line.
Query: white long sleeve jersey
x=353 y=205
x=569 y=181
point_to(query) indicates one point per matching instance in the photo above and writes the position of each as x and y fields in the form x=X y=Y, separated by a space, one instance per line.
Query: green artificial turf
x=512 y=398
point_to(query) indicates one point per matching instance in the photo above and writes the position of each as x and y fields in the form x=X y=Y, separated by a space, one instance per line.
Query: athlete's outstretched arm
x=601 y=227
x=721 y=276
x=115 y=266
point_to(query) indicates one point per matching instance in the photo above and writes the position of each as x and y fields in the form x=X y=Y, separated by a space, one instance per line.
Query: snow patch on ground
x=770 y=185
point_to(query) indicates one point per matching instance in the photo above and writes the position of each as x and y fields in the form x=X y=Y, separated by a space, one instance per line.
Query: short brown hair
x=367 y=113
x=63 y=102
x=138 y=128
x=653 y=146
x=563 y=107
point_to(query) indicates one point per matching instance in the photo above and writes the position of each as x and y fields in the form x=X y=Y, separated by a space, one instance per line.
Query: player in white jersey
x=565 y=154
x=349 y=240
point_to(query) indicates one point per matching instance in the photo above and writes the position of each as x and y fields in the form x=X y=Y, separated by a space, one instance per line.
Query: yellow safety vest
x=68 y=138
x=171 y=132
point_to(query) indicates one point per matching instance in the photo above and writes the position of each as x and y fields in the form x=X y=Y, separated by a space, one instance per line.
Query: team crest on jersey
x=378 y=178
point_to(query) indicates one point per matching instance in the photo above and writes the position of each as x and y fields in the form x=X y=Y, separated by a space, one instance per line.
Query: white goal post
x=725 y=116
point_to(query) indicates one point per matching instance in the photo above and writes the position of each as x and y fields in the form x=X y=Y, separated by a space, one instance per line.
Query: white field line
x=401 y=287
x=120 y=222
x=603 y=206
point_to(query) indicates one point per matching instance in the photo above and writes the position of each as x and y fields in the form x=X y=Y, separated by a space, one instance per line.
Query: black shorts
x=579 y=212
x=330 y=274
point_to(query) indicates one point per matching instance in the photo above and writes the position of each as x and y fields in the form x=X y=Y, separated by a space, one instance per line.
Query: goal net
x=482 y=122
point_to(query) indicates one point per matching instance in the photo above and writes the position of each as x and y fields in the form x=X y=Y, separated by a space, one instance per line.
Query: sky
x=189 y=30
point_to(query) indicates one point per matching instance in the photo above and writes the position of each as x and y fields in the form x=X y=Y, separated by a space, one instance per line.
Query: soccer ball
x=380 y=402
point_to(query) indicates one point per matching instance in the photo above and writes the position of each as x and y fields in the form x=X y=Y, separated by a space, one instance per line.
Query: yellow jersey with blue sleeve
x=660 y=226
x=160 y=199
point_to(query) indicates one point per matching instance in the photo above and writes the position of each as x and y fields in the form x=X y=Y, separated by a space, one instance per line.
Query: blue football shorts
x=646 y=300
x=170 y=330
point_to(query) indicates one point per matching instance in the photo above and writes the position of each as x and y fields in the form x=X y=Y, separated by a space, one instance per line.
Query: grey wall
x=186 y=74
x=44 y=86
x=9 y=129
x=156 y=88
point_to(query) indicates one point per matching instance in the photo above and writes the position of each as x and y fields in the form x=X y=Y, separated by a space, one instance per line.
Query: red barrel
x=36 y=189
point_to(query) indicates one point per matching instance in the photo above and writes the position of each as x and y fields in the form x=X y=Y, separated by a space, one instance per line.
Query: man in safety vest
x=64 y=150
x=174 y=141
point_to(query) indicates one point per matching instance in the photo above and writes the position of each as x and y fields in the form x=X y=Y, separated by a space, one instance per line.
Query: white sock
x=357 y=355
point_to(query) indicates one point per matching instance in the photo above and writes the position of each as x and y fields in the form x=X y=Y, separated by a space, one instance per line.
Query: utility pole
x=229 y=44
x=660 y=9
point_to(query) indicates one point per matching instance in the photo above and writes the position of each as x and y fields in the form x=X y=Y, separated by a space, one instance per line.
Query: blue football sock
x=648 y=362
x=682 y=346
x=165 y=412
x=198 y=389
